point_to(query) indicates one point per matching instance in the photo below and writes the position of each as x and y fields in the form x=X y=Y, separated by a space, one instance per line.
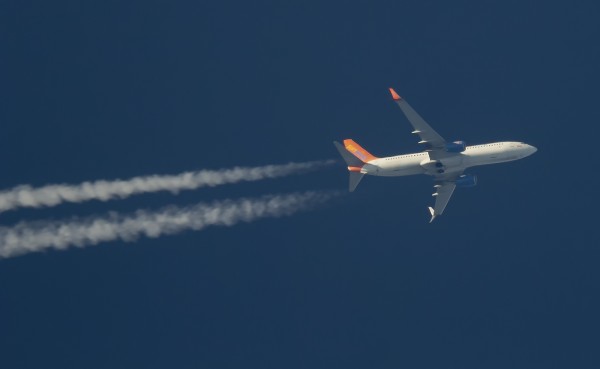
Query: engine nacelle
x=466 y=180
x=456 y=146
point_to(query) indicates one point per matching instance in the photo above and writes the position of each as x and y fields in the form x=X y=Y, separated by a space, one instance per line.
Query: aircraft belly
x=486 y=158
x=453 y=161
x=400 y=169
x=401 y=172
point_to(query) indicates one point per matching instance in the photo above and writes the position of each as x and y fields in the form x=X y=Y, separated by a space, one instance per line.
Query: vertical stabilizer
x=355 y=156
x=358 y=151
x=348 y=157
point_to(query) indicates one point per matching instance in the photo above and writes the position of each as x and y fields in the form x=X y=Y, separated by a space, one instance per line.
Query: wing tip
x=395 y=95
x=433 y=214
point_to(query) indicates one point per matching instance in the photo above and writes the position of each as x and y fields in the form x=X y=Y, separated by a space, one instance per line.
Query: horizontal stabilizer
x=355 y=178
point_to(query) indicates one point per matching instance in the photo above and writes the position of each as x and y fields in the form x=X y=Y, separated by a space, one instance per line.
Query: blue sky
x=507 y=277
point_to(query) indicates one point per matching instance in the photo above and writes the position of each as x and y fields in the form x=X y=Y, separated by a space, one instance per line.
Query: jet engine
x=456 y=146
x=466 y=180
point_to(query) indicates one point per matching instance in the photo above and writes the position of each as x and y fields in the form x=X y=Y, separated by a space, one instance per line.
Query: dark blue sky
x=508 y=277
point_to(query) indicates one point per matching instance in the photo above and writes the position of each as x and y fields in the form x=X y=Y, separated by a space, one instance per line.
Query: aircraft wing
x=444 y=187
x=428 y=135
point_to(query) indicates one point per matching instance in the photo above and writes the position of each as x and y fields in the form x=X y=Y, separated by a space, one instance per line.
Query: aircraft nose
x=532 y=149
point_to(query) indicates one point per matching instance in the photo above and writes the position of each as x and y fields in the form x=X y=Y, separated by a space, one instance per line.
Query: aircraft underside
x=444 y=161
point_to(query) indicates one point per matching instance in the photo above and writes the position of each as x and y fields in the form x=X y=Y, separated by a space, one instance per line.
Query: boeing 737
x=445 y=161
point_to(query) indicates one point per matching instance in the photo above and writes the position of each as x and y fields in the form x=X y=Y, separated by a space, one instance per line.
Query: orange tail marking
x=358 y=151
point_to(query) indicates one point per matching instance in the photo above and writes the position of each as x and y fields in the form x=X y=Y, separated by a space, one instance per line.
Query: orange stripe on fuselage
x=358 y=151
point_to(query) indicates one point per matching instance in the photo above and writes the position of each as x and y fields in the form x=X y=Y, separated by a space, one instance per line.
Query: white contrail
x=103 y=190
x=28 y=237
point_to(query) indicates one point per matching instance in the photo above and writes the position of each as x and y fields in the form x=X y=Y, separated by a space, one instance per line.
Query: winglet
x=395 y=96
x=433 y=214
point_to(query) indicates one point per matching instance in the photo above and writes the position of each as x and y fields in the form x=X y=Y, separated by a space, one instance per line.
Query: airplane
x=445 y=161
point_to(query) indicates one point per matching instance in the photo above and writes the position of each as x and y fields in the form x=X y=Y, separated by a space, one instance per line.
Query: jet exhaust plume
x=103 y=190
x=35 y=236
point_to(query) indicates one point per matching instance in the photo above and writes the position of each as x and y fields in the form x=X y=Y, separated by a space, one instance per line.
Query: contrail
x=35 y=236
x=103 y=190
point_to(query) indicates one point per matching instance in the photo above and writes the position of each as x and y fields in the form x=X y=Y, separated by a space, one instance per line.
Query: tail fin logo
x=358 y=151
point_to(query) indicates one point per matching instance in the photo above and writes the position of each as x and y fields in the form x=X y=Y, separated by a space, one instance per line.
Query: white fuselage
x=420 y=163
